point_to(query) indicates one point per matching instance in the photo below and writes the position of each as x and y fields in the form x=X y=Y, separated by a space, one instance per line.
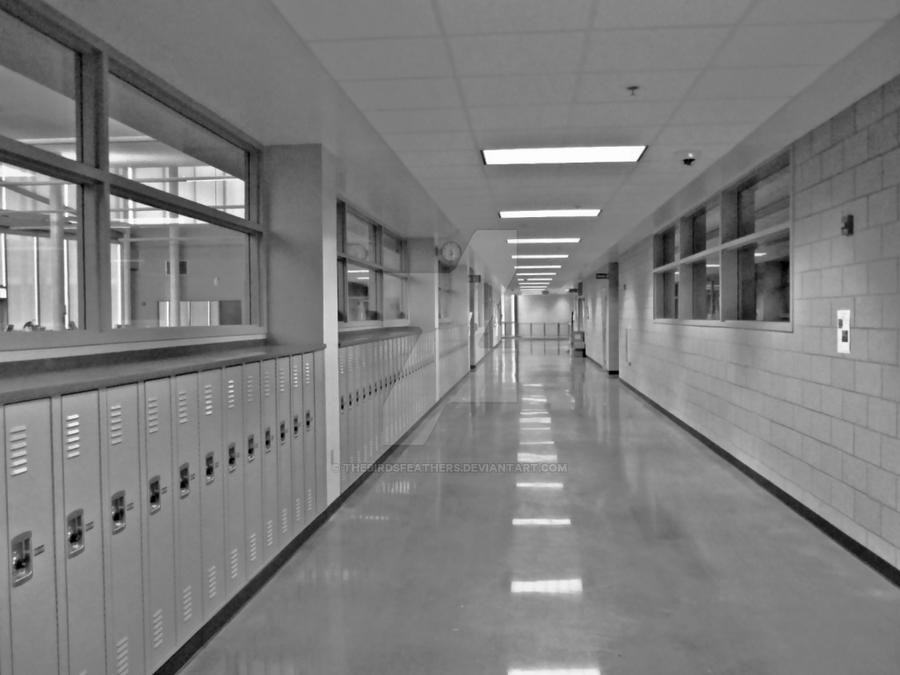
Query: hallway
x=642 y=553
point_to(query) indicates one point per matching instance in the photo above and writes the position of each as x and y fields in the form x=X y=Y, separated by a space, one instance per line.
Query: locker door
x=351 y=414
x=283 y=442
x=253 y=515
x=188 y=547
x=235 y=521
x=212 y=492
x=319 y=415
x=270 y=505
x=368 y=392
x=297 y=469
x=79 y=533
x=309 y=436
x=31 y=574
x=120 y=485
x=159 y=555
x=344 y=392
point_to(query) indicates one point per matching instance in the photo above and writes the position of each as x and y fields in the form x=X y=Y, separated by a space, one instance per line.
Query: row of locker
x=385 y=387
x=133 y=513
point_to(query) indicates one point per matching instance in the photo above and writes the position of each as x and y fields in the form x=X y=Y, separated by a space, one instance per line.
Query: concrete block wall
x=821 y=426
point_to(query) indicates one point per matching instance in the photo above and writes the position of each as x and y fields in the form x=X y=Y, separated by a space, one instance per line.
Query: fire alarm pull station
x=843 y=331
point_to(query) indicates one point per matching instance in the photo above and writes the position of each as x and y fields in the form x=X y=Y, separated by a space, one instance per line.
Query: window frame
x=97 y=62
x=726 y=201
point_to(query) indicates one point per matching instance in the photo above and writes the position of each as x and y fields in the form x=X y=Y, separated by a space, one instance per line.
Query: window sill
x=776 y=326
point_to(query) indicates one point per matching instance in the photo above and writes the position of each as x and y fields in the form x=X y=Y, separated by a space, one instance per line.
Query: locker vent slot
x=251 y=389
x=284 y=521
x=252 y=547
x=270 y=533
x=295 y=377
x=231 y=394
x=152 y=414
x=207 y=399
x=73 y=436
x=212 y=582
x=307 y=373
x=122 y=656
x=309 y=500
x=18 y=451
x=235 y=563
x=187 y=604
x=267 y=386
x=157 y=629
x=282 y=380
x=183 y=416
x=116 y=424
x=298 y=509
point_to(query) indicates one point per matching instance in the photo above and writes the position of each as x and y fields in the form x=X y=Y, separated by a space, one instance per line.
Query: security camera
x=689 y=159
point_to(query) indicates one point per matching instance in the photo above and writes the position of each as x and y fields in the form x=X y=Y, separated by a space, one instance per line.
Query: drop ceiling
x=442 y=79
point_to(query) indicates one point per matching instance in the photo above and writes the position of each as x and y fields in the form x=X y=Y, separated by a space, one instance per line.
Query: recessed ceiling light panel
x=545 y=240
x=541 y=256
x=551 y=213
x=598 y=154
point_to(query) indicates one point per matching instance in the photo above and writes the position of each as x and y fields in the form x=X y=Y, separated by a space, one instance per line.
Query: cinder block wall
x=822 y=427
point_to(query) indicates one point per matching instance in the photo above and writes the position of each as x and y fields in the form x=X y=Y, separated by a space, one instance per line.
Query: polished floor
x=631 y=549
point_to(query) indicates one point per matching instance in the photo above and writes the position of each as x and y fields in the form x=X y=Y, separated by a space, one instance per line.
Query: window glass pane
x=666 y=245
x=764 y=280
x=153 y=144
x=39 y=240
x=705 y=288
x=667 y=295
x=764 y=204
x=171 y=270
x=342 y=295
x=37 y=81
x=360 y=239
x=360 y=293
x=394 y=297
x=391 y=252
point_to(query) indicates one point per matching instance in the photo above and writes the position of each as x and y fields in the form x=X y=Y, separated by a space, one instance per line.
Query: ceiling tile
x=343 y=19
x=500 y=16
x=730 y=111
x=596 y=135
x=519 y=117
x=517 y=54
x=437 y=92
x=441 y=158
x=793 y=45
x=443 y=172
x=451 y=140
x=653 y=49
x=655 y=85
x=806 y=11
x=402 y=121
x=648 y=113
x=691 y=136
x=374 y=59
x=518 y=89
x=640 y=13
x=775 y=82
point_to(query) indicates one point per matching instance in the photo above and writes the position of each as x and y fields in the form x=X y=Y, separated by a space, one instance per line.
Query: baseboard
x=880 y=565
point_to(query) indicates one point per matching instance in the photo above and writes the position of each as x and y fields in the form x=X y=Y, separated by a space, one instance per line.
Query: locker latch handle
x=251 y=448
x=155 y=495
x=342 y=402
x=75 y=533
x=184 y=480
x=296 y=425
x=267 y=439
x=21 y=558
x=118 y=512
x=308 y=420
x=282 y=432
x=232 y=457
x=210 y=470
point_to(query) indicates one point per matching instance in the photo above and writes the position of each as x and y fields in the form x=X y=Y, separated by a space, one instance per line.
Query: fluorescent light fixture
x=554 y=671
x=545 y=240
x=540 y=486
x=536 y=457
x=551 y=213
x=541 y=522
x=548 y=586
x=538 y=267
x=758 y=255
x=575 y=155
x=540 y=256
x=536 y=420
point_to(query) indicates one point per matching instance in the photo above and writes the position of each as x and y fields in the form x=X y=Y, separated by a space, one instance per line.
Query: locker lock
x=155 y=495
x=210 y=467
x=308 y=420
x=117 y=511
x=282 y=433
x=296 y=425
x=75 y=533
x=21 y=558
x=342 y=401
x=184 y=480
x=251 y=448
x=232 y=457
x=267 y=439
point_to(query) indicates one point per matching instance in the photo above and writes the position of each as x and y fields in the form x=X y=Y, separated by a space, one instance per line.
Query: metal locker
x=159 y=553
x=233 y=448
x=120 y=487
x=29 y=539
x=319 y=415
x=212 y=492
x=344 y=413
x=296 y=421
x=80 y=518
x=253 y=516
x=369 y=393
x=269 y=459
x=309 y=436
x=351 y=413
x=188 y=472
x=286 y=527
